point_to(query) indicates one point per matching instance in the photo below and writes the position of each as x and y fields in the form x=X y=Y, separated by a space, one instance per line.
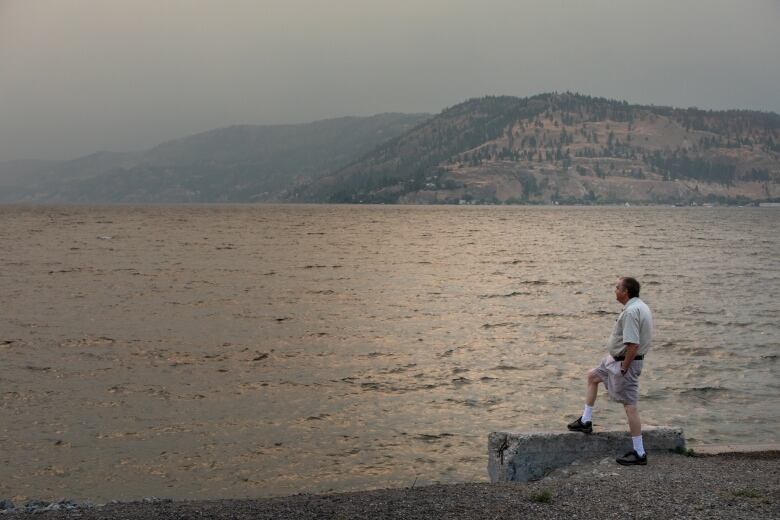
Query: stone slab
x=522 y=456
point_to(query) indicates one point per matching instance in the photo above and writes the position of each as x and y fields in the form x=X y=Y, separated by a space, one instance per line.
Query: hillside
x=234 y=164
x=566 y=148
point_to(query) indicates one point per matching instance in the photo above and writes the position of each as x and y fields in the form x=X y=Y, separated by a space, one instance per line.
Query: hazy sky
x=78 y=76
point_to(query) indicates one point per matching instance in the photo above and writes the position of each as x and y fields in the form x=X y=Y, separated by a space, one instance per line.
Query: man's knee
x=593 y=377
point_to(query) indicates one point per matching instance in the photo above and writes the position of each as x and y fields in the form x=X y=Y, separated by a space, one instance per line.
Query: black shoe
x=632 y=459
x=579 y=426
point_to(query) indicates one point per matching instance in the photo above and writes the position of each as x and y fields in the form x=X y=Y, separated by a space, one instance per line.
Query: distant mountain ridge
x=234 y=164
x=548 y=148
x=566 y=148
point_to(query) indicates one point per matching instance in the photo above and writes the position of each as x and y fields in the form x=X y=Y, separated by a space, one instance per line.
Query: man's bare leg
x=634 y=424
x=593 y=388
x=584 y=423
x=635 y=427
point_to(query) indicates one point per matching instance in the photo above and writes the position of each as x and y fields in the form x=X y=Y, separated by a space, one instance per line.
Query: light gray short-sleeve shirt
x=634 y=325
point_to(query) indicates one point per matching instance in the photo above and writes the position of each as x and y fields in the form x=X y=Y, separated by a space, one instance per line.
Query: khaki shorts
x=621 y=388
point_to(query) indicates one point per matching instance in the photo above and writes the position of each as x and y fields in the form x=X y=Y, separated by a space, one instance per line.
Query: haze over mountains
x=566 y=148
x=233 y=164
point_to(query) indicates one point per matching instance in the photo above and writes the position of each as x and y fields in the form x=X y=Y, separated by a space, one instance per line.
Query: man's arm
x=631 y=350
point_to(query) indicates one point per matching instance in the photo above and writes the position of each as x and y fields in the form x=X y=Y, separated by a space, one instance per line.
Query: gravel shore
x=670 y=486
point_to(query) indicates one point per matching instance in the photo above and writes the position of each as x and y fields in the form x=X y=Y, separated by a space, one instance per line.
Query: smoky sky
x=82 y=76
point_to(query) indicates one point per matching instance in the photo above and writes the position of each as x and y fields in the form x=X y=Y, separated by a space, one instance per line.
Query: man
x=619 y=371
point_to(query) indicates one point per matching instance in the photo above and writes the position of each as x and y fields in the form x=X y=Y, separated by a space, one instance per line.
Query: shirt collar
x=632 y=300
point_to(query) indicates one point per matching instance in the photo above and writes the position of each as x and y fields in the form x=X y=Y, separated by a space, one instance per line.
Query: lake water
x=244 y=351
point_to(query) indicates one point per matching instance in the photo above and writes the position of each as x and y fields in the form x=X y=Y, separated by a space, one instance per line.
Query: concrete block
x=529 y=455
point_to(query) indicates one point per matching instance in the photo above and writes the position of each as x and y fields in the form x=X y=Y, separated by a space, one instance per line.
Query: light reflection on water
x=234 y=351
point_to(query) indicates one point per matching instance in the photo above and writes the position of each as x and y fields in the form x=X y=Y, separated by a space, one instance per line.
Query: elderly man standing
x=619 y=371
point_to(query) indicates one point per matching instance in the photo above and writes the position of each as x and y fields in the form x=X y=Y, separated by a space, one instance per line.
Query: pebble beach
x=733 y=485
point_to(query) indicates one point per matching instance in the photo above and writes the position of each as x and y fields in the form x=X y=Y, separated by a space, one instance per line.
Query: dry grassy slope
x=499 y=179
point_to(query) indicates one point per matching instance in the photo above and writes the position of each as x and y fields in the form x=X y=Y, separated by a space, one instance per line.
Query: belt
x=636 y=358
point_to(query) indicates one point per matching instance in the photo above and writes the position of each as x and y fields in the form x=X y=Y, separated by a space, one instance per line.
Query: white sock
x=587 y=414
x=638 y=446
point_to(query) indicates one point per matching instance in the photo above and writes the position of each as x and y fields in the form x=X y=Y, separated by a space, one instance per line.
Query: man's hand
x=631 y=350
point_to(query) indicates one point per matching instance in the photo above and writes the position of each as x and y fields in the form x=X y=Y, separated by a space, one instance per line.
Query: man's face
x=621 y=294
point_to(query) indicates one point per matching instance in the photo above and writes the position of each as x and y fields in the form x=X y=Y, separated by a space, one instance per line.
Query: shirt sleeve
x=631 y=327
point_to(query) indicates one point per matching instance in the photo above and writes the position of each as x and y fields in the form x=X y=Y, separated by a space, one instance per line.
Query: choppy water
x=240 y=351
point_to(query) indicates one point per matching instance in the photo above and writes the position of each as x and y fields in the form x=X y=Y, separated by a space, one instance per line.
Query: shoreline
x=743 y=484
x=737 y=449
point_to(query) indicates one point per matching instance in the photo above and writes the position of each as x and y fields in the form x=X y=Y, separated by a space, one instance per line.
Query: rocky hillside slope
x=566 y=148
